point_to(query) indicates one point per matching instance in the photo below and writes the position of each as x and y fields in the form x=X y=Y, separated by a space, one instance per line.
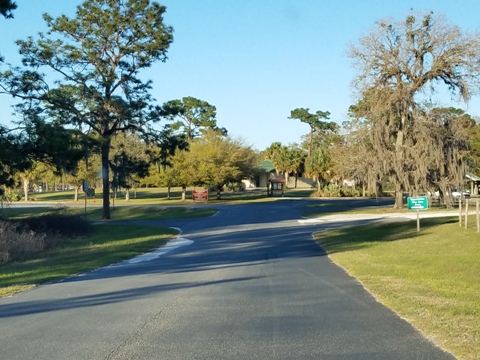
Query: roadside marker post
x=417 y=203
x=460 y=212
x=478 y=215
x=466 y=213
x=85 y=190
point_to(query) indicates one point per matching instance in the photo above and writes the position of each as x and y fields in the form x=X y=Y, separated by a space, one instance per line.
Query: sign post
x=85 y=190
x=200 y=195
x=418 y=203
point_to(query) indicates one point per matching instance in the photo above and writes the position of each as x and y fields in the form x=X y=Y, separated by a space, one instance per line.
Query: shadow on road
x=35 y=307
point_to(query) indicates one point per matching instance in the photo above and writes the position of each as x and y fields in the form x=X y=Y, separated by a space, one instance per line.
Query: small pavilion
x=275 y=184
x=267 y=172
x=474 y=181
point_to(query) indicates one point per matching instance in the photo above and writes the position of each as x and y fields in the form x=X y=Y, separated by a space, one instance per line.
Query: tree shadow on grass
x=360 y=237
x=322 y=206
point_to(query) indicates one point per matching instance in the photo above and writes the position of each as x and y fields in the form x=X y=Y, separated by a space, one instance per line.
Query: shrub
x=10 y=196
x=329 y=190
x=61 y=224
x=20 y=238
x=351 y=192
x=15 y=244
x=235 y=186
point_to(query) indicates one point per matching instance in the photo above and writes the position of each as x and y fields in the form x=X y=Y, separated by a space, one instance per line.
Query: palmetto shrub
x=20 y=238
x=15 y=244
x=329 y=190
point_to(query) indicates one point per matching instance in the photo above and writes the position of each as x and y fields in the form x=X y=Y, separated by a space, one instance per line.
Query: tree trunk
x=106 y=188
x=184 y=190
x=75 y=197
x=26 y=185
x=399 y=187
x=127 y=194
x=219 y=192
x=398 y=195
x=168 y=192
x=310 y=143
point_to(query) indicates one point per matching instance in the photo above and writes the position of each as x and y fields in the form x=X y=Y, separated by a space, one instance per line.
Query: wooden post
x=478 y=215
x=460 y=212
x=418 y=220
x=466 y=213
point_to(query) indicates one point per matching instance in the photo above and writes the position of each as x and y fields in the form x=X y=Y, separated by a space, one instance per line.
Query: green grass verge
x=156 y=196
x=109 y=244
x=119 y=213
x=125 y=213
x=431 y=278
x=329 y=209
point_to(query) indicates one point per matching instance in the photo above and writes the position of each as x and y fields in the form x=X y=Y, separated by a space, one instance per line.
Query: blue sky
x=256 y=60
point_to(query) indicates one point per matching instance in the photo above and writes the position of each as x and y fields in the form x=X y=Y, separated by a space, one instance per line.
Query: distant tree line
x=395 y=136
x=98 y=112
x=98 y=121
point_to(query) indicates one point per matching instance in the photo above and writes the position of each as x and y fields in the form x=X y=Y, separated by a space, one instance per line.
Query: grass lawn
x=110 y=243
x=431 y=278
x=119 y=213
x=334 y=206
x=158 y=196
x=145 y=196
x=328 y=210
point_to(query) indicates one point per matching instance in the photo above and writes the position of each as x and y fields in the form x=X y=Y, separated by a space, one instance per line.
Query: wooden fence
x=465 y=207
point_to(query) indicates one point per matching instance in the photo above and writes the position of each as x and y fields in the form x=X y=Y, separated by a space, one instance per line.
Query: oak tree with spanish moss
x=397 y=62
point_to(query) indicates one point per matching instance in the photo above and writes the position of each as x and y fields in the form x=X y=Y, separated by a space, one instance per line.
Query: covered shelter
x=266 y=172
x=275 y=184
x=474 y=181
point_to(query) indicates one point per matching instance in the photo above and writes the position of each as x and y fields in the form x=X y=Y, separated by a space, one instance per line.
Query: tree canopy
x=314 y=121
x=93 y=96
x=397 y=62
x=214 y=160
x=6 y=8
x=191 y=116
x=98 y=56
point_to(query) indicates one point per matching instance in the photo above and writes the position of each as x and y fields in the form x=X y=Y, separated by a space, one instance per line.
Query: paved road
x=252 y=285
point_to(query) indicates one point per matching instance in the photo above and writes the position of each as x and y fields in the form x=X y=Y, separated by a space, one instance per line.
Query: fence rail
x=465 y=206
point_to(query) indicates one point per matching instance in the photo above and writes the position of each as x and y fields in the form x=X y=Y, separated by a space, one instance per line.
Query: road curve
x=250 y=283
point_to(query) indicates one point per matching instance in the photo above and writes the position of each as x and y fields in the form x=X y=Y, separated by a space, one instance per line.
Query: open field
x=160 y=196
x=120 y=213
x=430 y=278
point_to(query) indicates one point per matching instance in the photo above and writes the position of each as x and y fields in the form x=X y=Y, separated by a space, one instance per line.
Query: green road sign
x=417 y=203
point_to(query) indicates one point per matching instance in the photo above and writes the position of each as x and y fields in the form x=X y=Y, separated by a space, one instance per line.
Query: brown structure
x=275 y=184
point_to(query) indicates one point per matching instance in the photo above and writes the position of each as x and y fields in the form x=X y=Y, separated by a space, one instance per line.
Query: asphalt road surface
x=247 y=283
